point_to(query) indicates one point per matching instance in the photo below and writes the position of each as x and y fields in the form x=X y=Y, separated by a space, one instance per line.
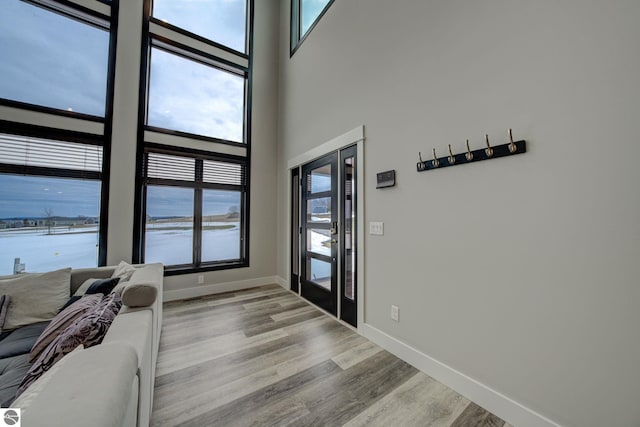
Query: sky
x=309 y=11
x=29 y=196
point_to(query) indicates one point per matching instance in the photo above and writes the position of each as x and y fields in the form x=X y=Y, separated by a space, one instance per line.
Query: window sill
x=190 y=269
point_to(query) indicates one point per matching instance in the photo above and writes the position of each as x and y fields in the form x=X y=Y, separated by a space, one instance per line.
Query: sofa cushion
x=35 y=297
x=92 y=388
x=62 y=321
x=4 y=308
x=37 y=386
x=21 y=340
x=12 y=370
x=88 y=330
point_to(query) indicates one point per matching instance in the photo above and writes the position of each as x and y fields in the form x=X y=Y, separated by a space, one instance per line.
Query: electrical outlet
x=395 y=313
x=376 y=228
x=200 y=279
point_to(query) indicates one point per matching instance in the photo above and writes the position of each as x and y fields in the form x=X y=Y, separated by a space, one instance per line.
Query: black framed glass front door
x=319 y=233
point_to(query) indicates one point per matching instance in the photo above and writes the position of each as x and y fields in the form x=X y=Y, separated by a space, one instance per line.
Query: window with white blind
x=194 y=209
x=51 y=191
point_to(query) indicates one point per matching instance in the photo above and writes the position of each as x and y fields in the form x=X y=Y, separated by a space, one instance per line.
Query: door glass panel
x=319 y=241
x=349 y=230
x=319 y=272
x=319 y=179
x=319 y=210
x=295 y=223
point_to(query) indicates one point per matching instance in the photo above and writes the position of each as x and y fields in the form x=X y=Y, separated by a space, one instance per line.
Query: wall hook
x=451 y=157
x=488 y=151
x=435 y=161
x=421 y=165
x=469 y=154
x=512 y=145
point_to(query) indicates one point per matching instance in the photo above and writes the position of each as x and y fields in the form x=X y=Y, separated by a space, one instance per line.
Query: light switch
x=376 y=228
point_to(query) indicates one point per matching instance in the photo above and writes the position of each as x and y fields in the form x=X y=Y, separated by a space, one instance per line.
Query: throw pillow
x=62 y=321
x=124 y=271
x=103 y=286
x=35 y=297
x=88 y=330
x=83 y=288
x=92 y=286
x=139 y=295
x=4 y=307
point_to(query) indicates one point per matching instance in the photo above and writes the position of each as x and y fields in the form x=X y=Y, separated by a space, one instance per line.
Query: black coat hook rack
x=490 y=152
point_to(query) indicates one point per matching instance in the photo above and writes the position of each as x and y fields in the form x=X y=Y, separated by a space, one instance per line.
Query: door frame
x=353 y=137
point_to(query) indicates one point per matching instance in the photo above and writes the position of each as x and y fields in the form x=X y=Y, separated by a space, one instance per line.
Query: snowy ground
x=78 y=248
x=172 y=247
x=75 y=248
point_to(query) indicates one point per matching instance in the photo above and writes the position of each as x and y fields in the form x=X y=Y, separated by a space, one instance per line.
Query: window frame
x=93 y=18
x=191 y=44
x=198 y=186
x=72 y=126
x=295 y=33
x=203 y=58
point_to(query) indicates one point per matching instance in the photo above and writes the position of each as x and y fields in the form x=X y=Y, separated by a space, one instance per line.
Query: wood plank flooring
x=265 y=357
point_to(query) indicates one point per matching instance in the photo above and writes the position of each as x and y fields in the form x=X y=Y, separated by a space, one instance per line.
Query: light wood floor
x=265 y=357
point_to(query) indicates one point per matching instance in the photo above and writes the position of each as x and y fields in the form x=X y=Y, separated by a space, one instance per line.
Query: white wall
x=521 y=273
x=264 y=133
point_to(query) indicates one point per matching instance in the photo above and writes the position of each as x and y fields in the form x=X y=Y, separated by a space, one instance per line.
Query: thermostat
x=386 y=179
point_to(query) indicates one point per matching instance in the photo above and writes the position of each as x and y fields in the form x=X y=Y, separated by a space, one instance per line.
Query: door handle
x=334 y=241
x=334 y=227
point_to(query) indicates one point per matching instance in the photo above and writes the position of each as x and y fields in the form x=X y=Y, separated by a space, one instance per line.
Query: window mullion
x=197 y=214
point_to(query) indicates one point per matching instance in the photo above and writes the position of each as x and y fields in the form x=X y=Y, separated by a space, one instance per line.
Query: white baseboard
x=216 y=288
x=283 y=282
x=493 y=401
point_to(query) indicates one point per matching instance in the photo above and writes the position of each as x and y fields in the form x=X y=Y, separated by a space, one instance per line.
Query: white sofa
x=110 y=384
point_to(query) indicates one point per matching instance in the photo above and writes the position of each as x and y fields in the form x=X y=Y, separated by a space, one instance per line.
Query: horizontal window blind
x=162 y=166
x=47 y=153
x=166 y=166
x=223 y=173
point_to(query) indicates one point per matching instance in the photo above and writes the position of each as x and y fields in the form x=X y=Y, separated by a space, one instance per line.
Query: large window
x=195 y=136
x=56 y=101
x=207 y=101
x=304 y=16
x=50 y=211
x=54 y=59
x=194 y=210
